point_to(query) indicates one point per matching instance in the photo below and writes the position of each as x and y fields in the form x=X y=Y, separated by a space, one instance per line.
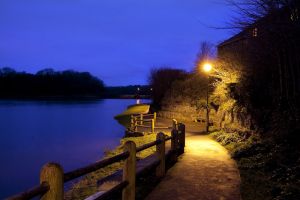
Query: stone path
x=204 y=172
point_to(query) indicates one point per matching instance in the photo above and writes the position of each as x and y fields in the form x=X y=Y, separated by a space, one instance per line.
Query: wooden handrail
x=154 y=115
x=146 y=146
x=156 y=127
x=145 y=126
x=163 y=127
x=108 y=193
x=31 y=193
x=144 y=120
x=52 y=177
x=168 y=138
x=150 y=114
x=95 y=166
x=138 y=120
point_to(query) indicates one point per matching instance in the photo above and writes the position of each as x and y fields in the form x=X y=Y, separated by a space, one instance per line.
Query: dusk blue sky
x=118 y=41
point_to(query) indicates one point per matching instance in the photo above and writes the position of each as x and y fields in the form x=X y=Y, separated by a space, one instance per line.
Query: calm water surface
x=71 y=133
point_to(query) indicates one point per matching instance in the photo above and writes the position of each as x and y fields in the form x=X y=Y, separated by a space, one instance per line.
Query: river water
x=73 y=134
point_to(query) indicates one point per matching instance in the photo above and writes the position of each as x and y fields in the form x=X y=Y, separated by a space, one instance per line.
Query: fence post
x=175 y=125
x=152 y=125
x=53 y=174
x=131 y=122
x=181 y=130
x=174 y=144
x=141 y=119
x=176 y=139
x=135 y=124
x=129 y=169
x=160 y=151
x=154 y=116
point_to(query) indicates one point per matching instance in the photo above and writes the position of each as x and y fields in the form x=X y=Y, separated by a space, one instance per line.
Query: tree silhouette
x=48 y=83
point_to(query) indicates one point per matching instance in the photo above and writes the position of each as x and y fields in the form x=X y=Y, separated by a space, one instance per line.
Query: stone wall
x=236 y=118
x=232 y=120
x=182 y=112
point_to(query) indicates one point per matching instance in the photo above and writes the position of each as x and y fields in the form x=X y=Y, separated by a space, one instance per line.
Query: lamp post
x=207 y=67
x=138 y=101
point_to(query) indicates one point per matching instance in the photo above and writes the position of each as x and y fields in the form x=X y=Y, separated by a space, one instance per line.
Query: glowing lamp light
x=207 y=67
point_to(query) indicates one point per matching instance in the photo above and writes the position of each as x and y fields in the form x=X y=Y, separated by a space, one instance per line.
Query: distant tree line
x=131 y=91
x=49 y=83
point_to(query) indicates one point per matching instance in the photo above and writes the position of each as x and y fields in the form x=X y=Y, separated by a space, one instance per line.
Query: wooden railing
x=144 y=121
x=52 y=176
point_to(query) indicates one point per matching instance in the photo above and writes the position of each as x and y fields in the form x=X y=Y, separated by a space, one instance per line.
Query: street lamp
x=138 y=101
x=207 y=67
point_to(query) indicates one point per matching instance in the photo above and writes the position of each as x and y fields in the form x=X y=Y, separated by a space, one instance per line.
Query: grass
x=266 y=172
x=88 y=184
x=253 y=182
x=236 y=142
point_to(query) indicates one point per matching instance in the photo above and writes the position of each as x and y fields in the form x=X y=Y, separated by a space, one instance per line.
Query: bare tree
x=249 y=11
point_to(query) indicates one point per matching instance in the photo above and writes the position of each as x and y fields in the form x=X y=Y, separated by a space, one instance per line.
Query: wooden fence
x=146 y=121
x=52 y=176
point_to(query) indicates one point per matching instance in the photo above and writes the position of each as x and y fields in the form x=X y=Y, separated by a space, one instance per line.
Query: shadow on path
x=205 y=171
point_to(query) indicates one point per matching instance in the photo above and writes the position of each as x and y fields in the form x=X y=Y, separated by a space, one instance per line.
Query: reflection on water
x=71 y=133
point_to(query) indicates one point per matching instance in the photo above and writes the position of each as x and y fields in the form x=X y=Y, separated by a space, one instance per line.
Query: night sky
x=119 y=41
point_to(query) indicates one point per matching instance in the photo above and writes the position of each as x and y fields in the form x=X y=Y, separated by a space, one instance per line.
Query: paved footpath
x=204 y=172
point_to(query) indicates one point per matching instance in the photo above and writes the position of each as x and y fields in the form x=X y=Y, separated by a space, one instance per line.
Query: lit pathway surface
x=205 y=171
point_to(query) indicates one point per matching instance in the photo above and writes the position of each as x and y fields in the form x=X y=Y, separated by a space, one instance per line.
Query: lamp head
x=207 y=67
